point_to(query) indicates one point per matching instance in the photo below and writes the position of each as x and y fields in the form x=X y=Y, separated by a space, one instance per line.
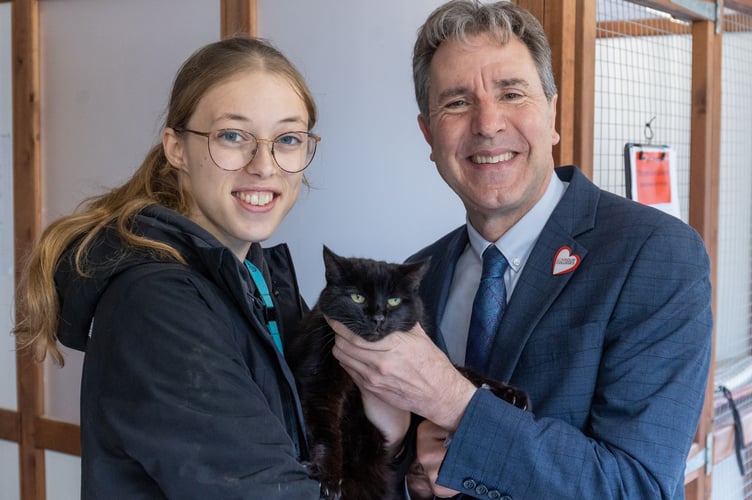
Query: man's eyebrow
x=499 y=84
x=453 y=92
x=511 y=82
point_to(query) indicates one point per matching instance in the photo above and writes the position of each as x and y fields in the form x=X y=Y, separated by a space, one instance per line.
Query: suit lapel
x=538 y=288
x=435 y=286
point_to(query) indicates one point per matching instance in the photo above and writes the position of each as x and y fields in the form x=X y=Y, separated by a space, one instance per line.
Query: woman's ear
x=173 y=148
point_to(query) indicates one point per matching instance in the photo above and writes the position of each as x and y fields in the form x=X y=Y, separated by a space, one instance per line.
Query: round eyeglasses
x=232 y=149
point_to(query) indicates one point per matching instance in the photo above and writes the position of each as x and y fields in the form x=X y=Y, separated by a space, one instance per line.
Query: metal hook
x=649 y=131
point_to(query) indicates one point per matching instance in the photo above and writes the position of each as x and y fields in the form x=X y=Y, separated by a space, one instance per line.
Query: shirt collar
x=517 y=243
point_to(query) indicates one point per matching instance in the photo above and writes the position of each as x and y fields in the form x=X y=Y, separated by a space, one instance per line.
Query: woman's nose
x=263 y=162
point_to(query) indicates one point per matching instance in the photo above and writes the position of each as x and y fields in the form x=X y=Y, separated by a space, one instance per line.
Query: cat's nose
x=378 y=319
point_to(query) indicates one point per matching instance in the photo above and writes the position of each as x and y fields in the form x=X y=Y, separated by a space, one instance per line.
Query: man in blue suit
x=607 y=323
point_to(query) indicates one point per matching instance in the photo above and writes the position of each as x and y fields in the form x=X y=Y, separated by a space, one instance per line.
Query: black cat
x=373 y=299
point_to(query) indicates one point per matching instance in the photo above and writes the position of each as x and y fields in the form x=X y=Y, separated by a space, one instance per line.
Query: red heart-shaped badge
x=565 y=261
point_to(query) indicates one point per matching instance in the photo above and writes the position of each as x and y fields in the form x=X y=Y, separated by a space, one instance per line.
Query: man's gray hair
x=458 y=19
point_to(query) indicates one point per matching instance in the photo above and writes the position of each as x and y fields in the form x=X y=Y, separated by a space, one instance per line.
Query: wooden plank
x=704 y=185
x=238 y=17
x=57 y=435
x=558 y=18
x=723 y=438
x=560 y=21
x=741 y=6
x=584 y=97
x=692 y=475
x=669 y=7
x=27 y=224
x=732 y=23
x=641 y=27
x=10 y=425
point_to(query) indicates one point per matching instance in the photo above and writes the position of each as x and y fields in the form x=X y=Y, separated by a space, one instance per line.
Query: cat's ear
x=415 y=271
x=332 y=265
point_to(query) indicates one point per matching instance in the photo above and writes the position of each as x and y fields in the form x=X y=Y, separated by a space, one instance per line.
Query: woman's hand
x=431 y=450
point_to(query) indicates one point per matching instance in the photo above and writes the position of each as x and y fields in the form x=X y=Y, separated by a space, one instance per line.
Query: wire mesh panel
x=734 y=270
x=643 y=78
x=643 y=95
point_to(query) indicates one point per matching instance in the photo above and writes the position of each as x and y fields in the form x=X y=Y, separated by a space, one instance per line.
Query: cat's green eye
x=393 y=301
x=357 y=298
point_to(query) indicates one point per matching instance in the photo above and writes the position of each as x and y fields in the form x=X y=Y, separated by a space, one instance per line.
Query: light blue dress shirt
x=516 y=245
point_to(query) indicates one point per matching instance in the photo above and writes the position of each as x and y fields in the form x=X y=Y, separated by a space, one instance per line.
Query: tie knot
x=494 y=263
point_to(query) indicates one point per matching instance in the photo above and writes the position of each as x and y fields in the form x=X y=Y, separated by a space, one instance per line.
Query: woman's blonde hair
x=155 y=182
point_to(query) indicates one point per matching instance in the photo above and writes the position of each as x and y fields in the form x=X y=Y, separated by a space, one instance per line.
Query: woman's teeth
x=257 y=198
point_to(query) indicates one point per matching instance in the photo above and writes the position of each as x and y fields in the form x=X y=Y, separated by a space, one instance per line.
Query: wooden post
x=583 y=128
x=703 y=190
x=27 y=225
x=238 y=16
x=559 y=20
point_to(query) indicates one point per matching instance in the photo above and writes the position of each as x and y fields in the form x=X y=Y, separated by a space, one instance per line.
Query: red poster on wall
x=651 y=176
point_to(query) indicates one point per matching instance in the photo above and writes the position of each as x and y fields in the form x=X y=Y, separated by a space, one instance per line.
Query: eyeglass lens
x=233 y=149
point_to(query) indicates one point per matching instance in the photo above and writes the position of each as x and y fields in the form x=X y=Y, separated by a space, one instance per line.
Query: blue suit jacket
x=614 y=356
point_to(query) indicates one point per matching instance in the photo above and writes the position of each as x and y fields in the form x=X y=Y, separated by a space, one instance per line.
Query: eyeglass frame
x=271 y=143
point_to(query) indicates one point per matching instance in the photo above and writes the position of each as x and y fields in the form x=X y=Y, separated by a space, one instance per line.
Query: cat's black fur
x=373 y=299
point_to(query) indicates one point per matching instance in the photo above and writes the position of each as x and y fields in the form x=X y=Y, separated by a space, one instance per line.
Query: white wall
x=376 y=192
x=104 y=88
x=7 y=353
x=107 y=67
x=8 y=450
x=106 y=70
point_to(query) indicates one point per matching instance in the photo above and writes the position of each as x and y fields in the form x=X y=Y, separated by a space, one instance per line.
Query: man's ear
x=173 y=148
x=426 y=130
x=555 y=137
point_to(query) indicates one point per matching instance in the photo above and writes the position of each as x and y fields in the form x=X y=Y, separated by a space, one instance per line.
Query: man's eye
x=457 y=104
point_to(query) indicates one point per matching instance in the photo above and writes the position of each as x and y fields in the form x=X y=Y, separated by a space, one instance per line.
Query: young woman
x=162 y=281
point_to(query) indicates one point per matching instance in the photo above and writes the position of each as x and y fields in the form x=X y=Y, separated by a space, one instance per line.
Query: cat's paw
x=508 y=393
x=331 y=487
x=331 y=491
x=511 y=395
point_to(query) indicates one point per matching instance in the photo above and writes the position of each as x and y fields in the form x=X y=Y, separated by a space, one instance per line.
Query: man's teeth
x=256 y=198
x=492 y=159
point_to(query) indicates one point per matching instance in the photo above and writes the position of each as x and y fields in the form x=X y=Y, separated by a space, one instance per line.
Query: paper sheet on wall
x=650 y=173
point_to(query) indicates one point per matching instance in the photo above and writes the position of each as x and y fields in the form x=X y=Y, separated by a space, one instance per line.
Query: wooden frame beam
x=238 y=16
x=28 y=427
x=10 y=426
x=56 y=435
x=584 y=92
x=559 y=20
x=705 y=139
x=27 y=227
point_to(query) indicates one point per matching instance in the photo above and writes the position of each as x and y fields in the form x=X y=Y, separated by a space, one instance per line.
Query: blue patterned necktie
x=488 y=308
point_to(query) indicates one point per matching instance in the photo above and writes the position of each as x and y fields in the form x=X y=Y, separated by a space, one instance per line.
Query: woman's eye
x=230 y=135
x=289 y=140
x=357 y=298
x=393 y=301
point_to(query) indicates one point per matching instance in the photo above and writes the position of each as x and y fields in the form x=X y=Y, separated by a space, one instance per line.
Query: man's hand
x=407 y=371
x=431 y=449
